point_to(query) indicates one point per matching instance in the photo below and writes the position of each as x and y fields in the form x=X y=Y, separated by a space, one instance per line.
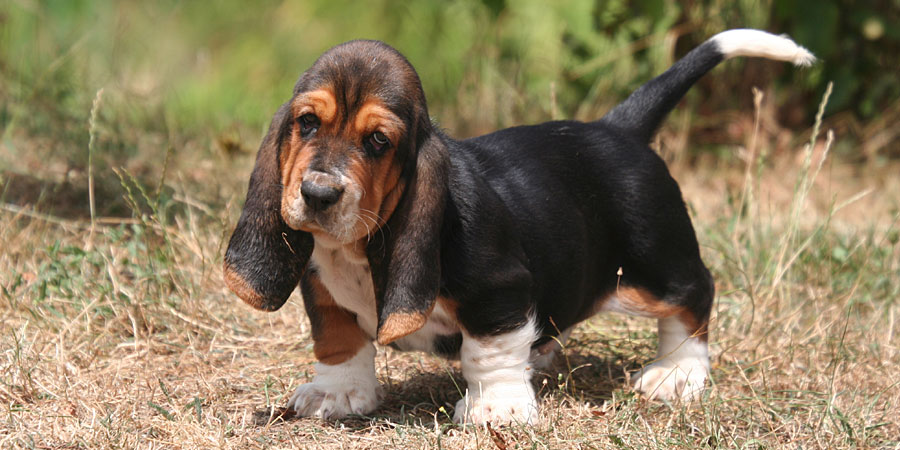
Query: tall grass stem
x=92 y=130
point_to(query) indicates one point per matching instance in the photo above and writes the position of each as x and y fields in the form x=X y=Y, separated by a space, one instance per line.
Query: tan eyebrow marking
x=372 y=116
x=320 y=102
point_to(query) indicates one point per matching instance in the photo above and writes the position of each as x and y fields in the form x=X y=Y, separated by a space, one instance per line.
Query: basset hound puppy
x=489 y=249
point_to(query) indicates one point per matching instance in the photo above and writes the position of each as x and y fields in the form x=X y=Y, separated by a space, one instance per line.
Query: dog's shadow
x=584 y=377
x=427 y=398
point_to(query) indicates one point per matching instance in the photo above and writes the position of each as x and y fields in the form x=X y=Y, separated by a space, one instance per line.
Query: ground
x=119 y=333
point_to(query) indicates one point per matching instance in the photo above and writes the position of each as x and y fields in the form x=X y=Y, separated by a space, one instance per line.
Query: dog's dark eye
x=378 y=142
x=309 y=123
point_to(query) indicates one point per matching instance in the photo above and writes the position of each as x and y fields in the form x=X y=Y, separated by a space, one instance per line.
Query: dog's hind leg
x=681 y=365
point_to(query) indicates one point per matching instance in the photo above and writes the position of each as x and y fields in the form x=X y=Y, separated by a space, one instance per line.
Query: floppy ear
x=406 y=255
x=265 y=257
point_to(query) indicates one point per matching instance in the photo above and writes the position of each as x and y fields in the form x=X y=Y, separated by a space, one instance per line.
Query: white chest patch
x=348 y=278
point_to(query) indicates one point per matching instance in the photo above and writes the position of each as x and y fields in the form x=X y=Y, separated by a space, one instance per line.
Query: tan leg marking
x=640 y=302
x=336 y=335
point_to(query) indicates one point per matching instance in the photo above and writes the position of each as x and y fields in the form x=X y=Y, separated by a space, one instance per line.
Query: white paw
x=668 y=380
x=334 y=400
x=501 y=405
x=341 y=389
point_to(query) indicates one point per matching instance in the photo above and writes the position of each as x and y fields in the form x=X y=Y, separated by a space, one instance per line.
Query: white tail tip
x=746 y=42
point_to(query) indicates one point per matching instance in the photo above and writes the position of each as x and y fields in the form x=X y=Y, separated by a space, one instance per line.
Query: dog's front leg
x=345 y=380
x=498 y=373
x=341 y=389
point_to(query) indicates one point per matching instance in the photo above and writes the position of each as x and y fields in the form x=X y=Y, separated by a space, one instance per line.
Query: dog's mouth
x=340 y=222
x=318 y=223
x=324 y=224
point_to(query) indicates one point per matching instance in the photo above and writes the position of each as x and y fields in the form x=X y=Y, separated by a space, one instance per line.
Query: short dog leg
x=345 y=380
x=499 y=378
x=339 y=390
x=681 y=365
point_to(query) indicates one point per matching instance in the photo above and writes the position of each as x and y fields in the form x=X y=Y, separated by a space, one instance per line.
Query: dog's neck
x=354 y=252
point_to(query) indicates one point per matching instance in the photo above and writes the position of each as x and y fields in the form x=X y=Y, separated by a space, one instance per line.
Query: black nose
x=320 y=197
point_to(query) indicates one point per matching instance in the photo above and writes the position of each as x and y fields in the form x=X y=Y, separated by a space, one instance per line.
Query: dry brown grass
x=130 y=340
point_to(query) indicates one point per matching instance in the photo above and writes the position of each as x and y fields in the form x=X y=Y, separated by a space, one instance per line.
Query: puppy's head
x=351 y=151
x=354 y=122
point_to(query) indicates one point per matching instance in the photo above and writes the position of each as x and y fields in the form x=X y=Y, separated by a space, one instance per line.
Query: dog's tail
x=643 y=111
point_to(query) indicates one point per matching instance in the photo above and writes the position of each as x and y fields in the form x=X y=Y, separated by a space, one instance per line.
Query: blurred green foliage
x=185 y=69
